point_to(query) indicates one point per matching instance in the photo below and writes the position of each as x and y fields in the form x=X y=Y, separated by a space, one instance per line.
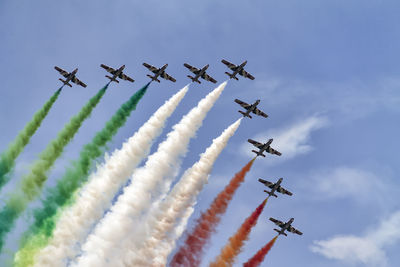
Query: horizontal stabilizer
x=65 y=82
x=244 y=114
x=111 y=79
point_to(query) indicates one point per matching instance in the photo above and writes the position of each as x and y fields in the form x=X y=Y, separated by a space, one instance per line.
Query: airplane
x=285 y=227
x=275 y=187
x=199 y=74
x=117 y=73
x=264 y=147
x=237 y=70
x=250 y=108
x=69 y=76
x=158 y=72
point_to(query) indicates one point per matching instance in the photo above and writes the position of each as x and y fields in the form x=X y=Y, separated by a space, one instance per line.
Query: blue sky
x=326 y=73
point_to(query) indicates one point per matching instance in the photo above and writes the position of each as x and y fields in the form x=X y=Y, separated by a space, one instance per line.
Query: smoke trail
x=39 y=232
x=7 y=158
x=107 y=243
x=32 y=184
x=258 y=258
x=74 y=222
x=233 y=248
x=190 y=253
x=164 y=217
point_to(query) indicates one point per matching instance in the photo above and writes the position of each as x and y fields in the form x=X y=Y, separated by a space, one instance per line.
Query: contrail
x=75 y=221
x=190 y=253
x=233 y=248
x=32 y=184
x=258 y=258
x=178 y=205
x=106 y=244
x=44 y=220
x=7 y=158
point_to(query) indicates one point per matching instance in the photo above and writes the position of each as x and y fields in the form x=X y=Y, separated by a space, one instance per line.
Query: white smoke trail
x=105 y=246
x=95 y=197
x=165 y=222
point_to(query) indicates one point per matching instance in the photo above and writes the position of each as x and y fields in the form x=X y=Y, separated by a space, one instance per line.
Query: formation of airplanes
x=158 y=72
x=197 y=74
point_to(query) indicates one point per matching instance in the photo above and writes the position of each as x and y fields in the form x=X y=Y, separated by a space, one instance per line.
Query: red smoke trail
x=260 y=255
x=190 y=253
x=232 y=249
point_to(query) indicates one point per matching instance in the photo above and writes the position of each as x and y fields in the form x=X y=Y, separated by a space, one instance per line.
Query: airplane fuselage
x=263 y=148
x=251 y=109
x=238 y=69
x=117 y=73
x=69 y=78
x=159 y=72
x=201 y=72
x=285 y=227
x=274 y=188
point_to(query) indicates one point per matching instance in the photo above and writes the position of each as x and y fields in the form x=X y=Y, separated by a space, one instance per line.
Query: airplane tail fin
x=193 y=79
x=258 y=153
x=65 y=82
x=281 y=233
x=153 y=78
x=244 y=114
x=231 y=76
x=111 y=79
x=270 y=193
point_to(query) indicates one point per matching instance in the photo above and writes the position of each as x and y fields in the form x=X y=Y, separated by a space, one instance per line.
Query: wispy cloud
x=292 y=140
x=342 y=182
x=338 y=99
x=367 y=249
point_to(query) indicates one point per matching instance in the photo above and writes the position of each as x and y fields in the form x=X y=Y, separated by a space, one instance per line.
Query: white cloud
x=367 y=249
x=344 y=182
x=291 y=141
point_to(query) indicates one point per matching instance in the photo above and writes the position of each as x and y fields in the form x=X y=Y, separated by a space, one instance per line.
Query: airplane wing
x=255 y=143
x=108 y=69
x=207 y=77
x=269 y=184
x=167 y=77
x=246 y=74
x=294 y=230
x=260 y=113
x=284 y=191
x=125 y=77
x=77 y=81
x=243 y=104
x=191 y=68
x=62 y=72
x=277 y=222
x=229 y=65
x=150 y=67
x=273 y=151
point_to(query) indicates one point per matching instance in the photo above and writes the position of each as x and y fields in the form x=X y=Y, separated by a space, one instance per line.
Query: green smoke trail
x=37 y=235
x=32 y=184
x=7 y=159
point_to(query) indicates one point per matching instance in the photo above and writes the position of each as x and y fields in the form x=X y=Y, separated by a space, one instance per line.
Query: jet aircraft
x=264 y=147
x=275 y=187
x=199 y=73
x=69 y=76
x=250 y=108
x=285 y=227
x=116 y=73
x=237 y=70
x=158 y=72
